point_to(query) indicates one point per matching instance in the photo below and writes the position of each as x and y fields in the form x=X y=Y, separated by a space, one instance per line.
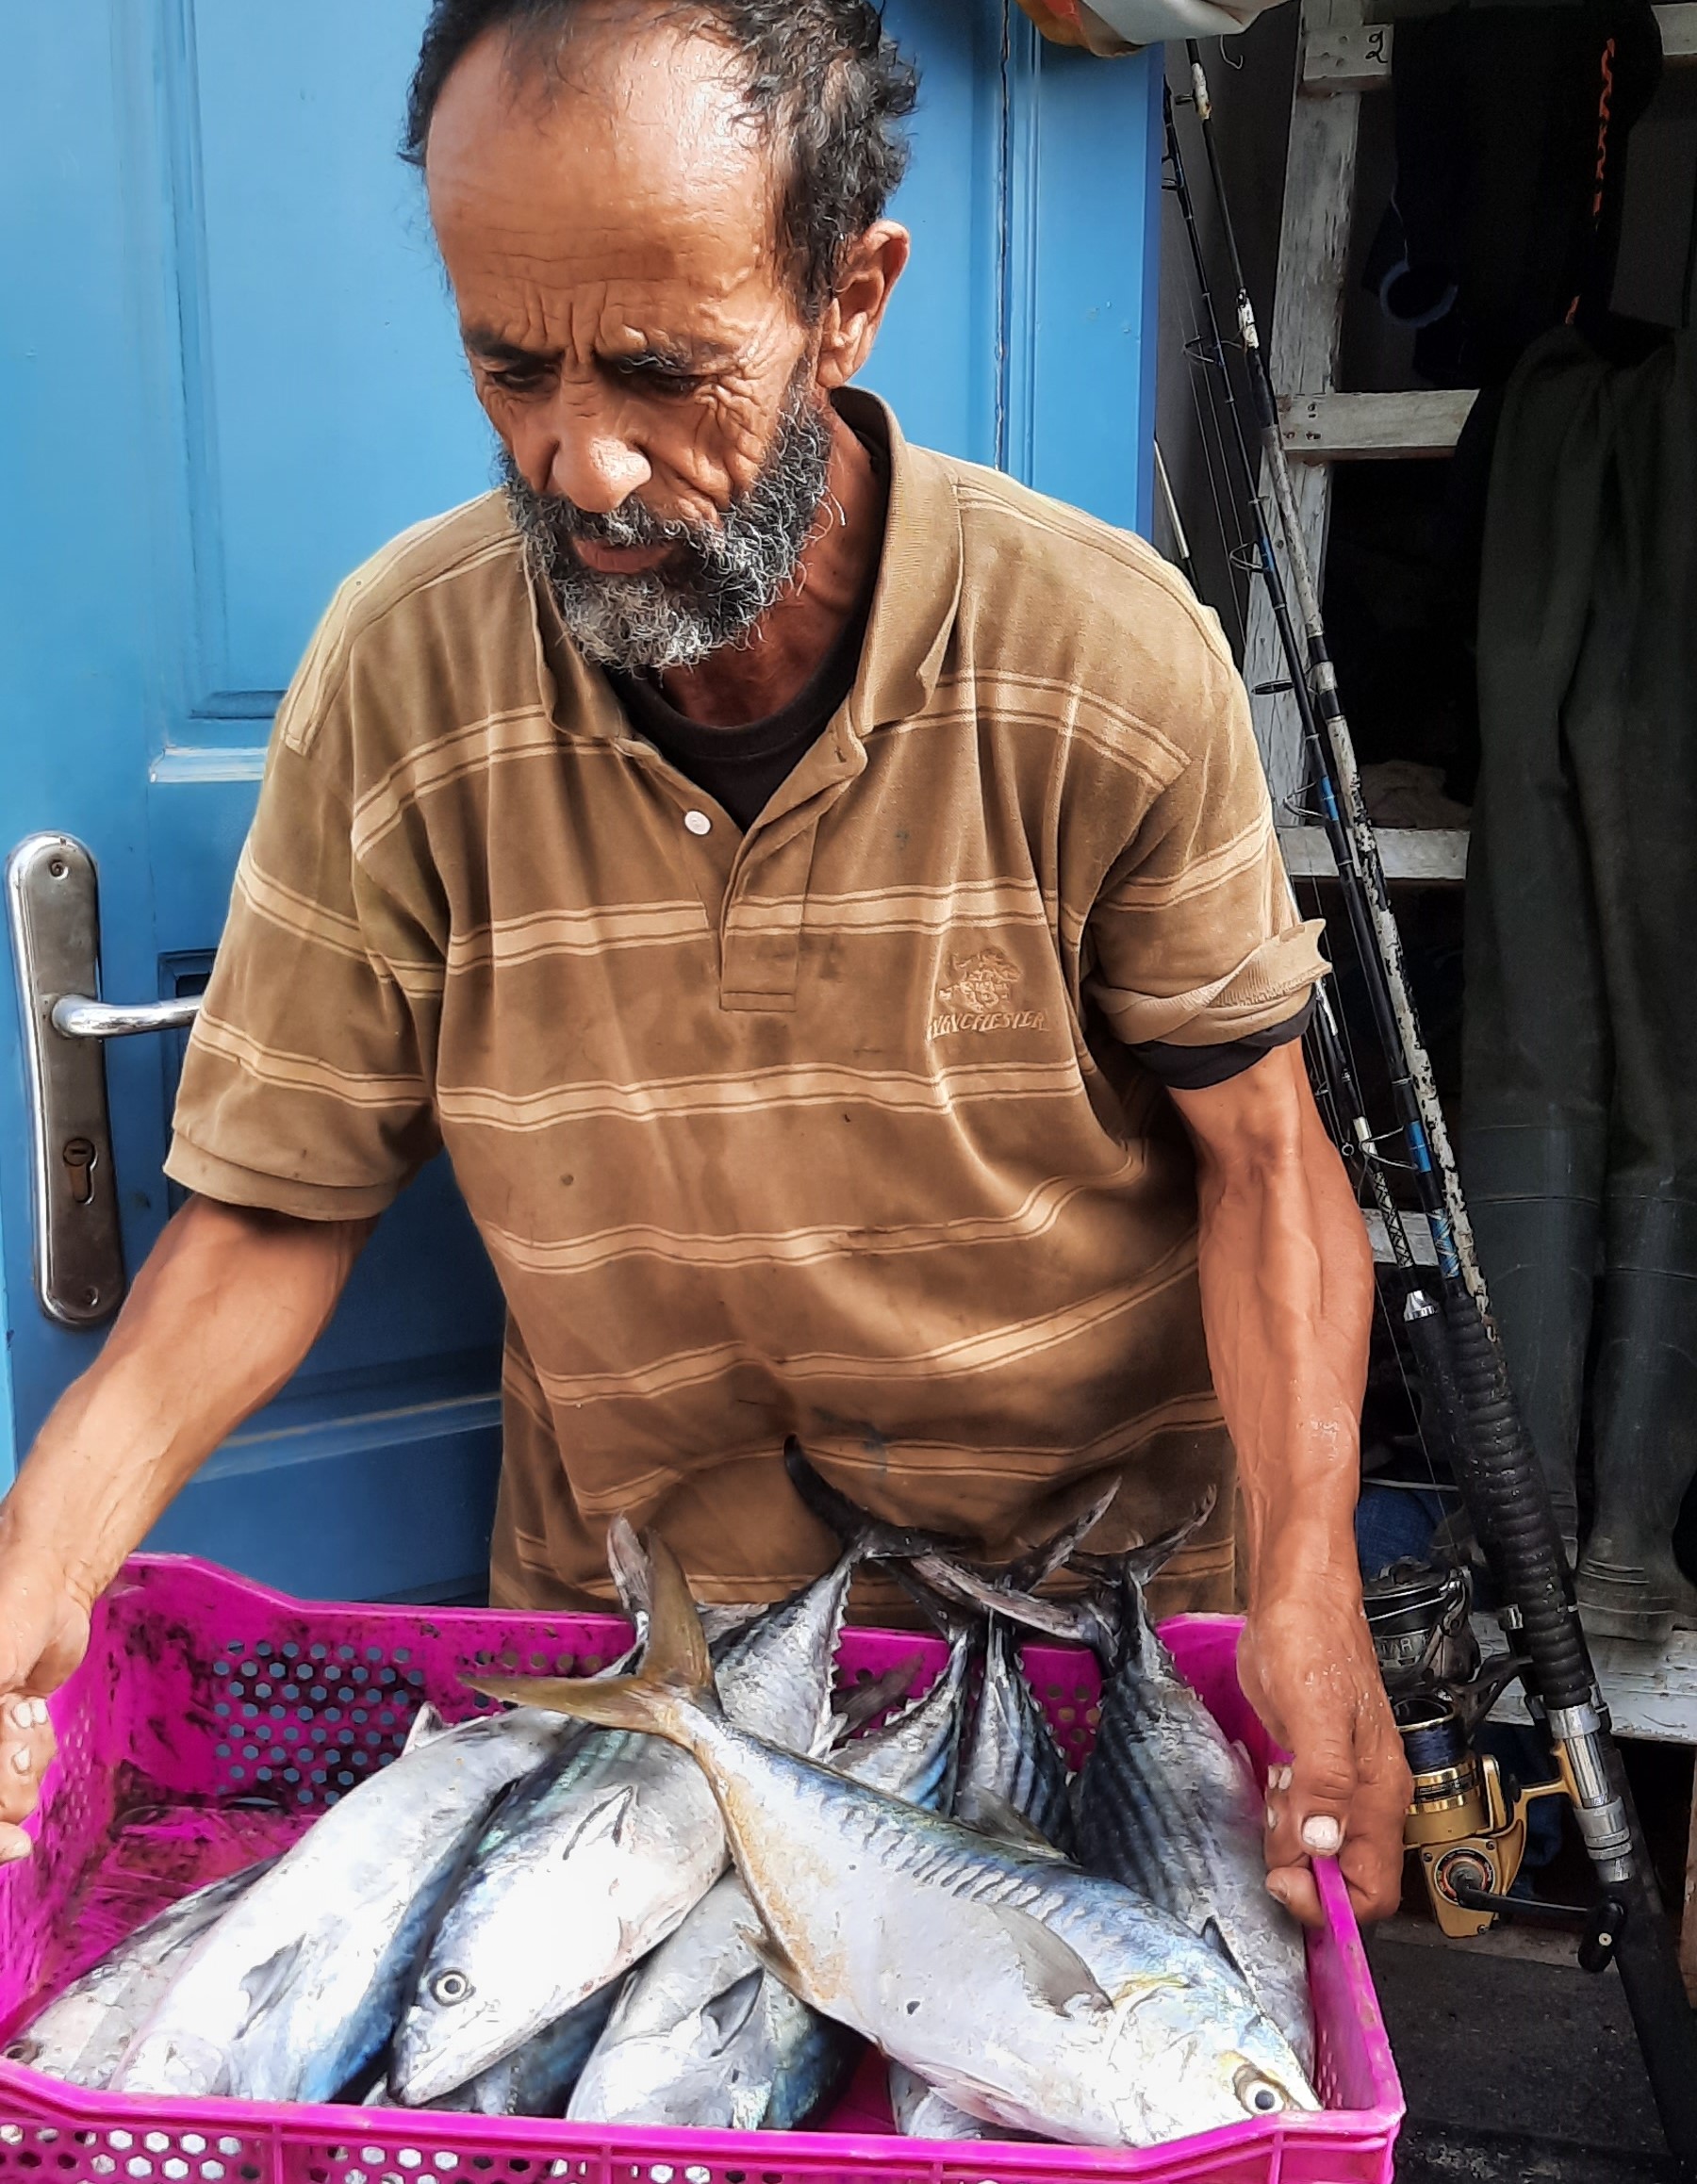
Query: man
x=824 y=899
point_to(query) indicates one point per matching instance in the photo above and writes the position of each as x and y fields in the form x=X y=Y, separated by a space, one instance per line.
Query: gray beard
x=721 y=578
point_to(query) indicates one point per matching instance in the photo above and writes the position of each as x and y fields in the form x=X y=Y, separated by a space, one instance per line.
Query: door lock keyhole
x=79 y=1156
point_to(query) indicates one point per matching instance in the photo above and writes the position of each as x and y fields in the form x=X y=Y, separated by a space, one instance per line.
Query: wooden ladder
x=1344 y=57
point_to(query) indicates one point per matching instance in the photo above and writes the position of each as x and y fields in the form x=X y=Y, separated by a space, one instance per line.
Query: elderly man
x=824 y=899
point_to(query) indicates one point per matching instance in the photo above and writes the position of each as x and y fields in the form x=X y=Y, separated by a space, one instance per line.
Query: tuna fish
x=82 y=2034
x=299 y=1984
x=703 y=2035
x=604 y=1859
x=1166 y=1803
x=1026 y=1992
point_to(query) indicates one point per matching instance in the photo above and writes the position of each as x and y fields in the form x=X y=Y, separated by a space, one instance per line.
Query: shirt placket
x=753 y=886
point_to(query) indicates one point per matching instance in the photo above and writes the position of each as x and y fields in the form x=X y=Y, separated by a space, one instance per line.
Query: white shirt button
x=698 y=822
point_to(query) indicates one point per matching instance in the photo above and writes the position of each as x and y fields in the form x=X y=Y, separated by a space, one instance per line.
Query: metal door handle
x=78 y=1017
x=51 y=897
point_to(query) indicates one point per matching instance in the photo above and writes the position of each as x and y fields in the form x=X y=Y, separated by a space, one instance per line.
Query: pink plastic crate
x=213 y=1718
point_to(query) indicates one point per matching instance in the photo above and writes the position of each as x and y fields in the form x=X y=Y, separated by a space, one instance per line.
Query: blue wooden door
x=227 y=372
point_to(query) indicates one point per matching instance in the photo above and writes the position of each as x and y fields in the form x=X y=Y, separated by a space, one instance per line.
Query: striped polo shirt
x=829 y=1127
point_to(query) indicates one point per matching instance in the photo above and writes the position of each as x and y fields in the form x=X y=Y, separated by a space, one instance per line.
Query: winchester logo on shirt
x=974 y=995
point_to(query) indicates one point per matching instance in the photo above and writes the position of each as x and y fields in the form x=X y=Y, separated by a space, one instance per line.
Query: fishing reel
x=1467 y=1824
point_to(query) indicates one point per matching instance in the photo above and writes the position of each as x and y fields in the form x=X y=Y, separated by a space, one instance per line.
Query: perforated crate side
x=53 y=2153
x=295 y=1702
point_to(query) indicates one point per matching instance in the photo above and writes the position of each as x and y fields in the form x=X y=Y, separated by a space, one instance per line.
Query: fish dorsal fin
x=724 y=2014
x=993 y=1816
x=604 y=1822
x=427 y=1725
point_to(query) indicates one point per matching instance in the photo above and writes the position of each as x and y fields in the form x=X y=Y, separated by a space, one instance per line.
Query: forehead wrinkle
x=650 y=160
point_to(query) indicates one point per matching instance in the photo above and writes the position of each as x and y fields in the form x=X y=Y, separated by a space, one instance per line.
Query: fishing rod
x=1421 y=1316
x=1495 y=1463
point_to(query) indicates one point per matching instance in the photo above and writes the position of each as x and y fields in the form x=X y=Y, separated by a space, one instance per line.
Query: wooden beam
x=1408 y=852
x=1678 y=24
x=1347 y=56
x=1358 y=56
x=1306 y=335
x=1364 y=428
x=1651 y=1690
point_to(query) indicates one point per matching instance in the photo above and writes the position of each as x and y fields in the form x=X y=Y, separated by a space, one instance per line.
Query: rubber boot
x=1534 y=1198
x=1644 y=1423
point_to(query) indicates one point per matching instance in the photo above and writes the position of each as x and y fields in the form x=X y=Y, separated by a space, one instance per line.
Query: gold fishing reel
x=1466 y=1829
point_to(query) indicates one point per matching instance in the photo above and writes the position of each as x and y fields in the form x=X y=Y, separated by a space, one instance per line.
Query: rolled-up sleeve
x=1193 y=940
x=306 y=1085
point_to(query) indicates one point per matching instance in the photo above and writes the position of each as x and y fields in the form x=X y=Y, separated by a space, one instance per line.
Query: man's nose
x=585 y=458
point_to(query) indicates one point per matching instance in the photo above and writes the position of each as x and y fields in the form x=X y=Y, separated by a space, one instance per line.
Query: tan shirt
x=826 y=1129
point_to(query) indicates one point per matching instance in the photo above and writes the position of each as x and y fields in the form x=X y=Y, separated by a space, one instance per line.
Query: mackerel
x=1028 y=1993
x=595 y=1866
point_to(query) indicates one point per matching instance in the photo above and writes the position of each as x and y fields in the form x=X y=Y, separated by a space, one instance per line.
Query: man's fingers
x=27 y=1749
x=1372 y=1858
x=1309 y=1802
x=1294 y=1887
x=15 y=1845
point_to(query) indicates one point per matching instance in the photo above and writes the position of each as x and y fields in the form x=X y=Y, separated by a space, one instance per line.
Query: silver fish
x=604 y=1859
x=82 y=2034
x=535 y=2080
x=299 y=1984
x=1013 y=1784
x=1011 y=1759
x=921 y=2113
x=1168 y=1805
x=1025 y=1990
x=703 y=2036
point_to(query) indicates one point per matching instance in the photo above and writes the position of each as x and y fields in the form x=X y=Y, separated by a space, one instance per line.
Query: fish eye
x=1259 y=2094
x=450 y=1987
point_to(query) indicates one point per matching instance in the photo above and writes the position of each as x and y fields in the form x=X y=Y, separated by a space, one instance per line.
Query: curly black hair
x=820 y=80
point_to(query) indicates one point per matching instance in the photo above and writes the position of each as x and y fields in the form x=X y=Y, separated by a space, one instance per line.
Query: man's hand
x=1307 y=1669
x=1287 y=1303
x=43 y=1635
x=225 y=1308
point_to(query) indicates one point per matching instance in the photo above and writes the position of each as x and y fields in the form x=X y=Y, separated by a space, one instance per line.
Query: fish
x=535 y=2080
x=921 y=2113
x=1014 y=1783
x=299 y=1984
x=1167 y=1804
x=1024 y=1990
x=703 y=2035
x=82 y=2034
x=604 y=1858
x=1012 y=1758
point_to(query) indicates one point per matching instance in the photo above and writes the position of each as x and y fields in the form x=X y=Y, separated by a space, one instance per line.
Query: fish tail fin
x=866 y=1536
x=674 y=1685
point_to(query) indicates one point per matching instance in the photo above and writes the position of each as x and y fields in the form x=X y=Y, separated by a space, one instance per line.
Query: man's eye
x=519 y=378
x=659 y=378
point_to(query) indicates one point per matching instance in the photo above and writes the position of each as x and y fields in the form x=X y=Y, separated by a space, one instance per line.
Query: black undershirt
x=741 y=769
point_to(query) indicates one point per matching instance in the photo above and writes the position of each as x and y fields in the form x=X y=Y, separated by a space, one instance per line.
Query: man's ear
x=871 y=268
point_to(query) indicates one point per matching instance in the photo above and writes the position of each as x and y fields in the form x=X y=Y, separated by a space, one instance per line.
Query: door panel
x=227 y=373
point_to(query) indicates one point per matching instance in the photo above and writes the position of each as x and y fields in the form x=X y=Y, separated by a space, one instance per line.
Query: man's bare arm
x=227 y=1306
x=1287 y=1302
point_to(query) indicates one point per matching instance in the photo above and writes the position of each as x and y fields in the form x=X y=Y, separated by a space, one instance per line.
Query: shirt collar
x=919 y=590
